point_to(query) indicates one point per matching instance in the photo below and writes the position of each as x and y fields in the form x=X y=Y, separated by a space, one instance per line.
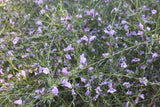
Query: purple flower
x=40 y=2
x=37 y=91
x=90 y=12
x=126 y=28
x=45 y=70
x=114 y=10
x=91 y=38
x=1 y=71
x=129 y=92
x=98 y=90
x=127 y=104
x=141 y=96
x=111 y=90
x=141 y=26
x=105 y=54
x=64 y=71
x=68 y=18
x=66 y=83
x=18 y=102
x=36 y=97
x=84 y=80
x=143 y=66
x=136 y=100
x=85 y=38
x=23 y=73
x=103 y=83
x=80 y=66
x=127 y=84
x=91 y=68
x=69 y=27
x=9 y=75
x=24 y=56
x=123 y=64
x=79 y=16
x=87 y=93
x=42 y=90
x=69 y=48
x=55 y=91
x=154 y=55
x=15 y=40
x=10 y=52
x=106 y=1
x=39 y=30
x=140 y=33
x=42 y=11
x=154 y=11
x=68 y=56
x=124 y=22
x=82 y=59
x=135 y=60
x=143 y=81
x=39 y=23
x=95 y=97
x=133 y=33
x=73 y=92
x=111 y=32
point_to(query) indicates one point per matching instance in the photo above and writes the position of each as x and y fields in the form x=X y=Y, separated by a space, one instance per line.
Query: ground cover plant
x=79 y=53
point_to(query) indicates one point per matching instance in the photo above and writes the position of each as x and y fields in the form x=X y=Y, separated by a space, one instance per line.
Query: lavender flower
x=154 y=11
x=9 y=76
x=1 y=71
x=106 y=1
x=129 y=92
x=18 y=102
x=124 y=22
x=111 y=90
x=135 y=60
x=127 y=104
x=143 y=81
x=55 y=91
x=40 y=2
x=114 y=10
x=87 y=93
x=69 y=48
x=64 y=71
x=103 y=83
x=105 y=54
x=141 y=96
x=111 y=32
x=91 y=38
x=154 y=55
x=15 y=40
x=91 y=68
x=45 y=70
x=42 y=11
x=98 y=90
x=23 y=73
x=85 y=38
x=42 y=91
x=127 y=84
x=141 y=26
x=82 y=59
x=68 y=56
x=123 y=64
x=39 y=23
x=69 y=27
x=73 y=92
x=90 y=12
x=66 y=83
x=84 y=80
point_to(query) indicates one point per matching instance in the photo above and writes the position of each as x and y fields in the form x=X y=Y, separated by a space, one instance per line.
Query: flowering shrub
x=79 y=53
